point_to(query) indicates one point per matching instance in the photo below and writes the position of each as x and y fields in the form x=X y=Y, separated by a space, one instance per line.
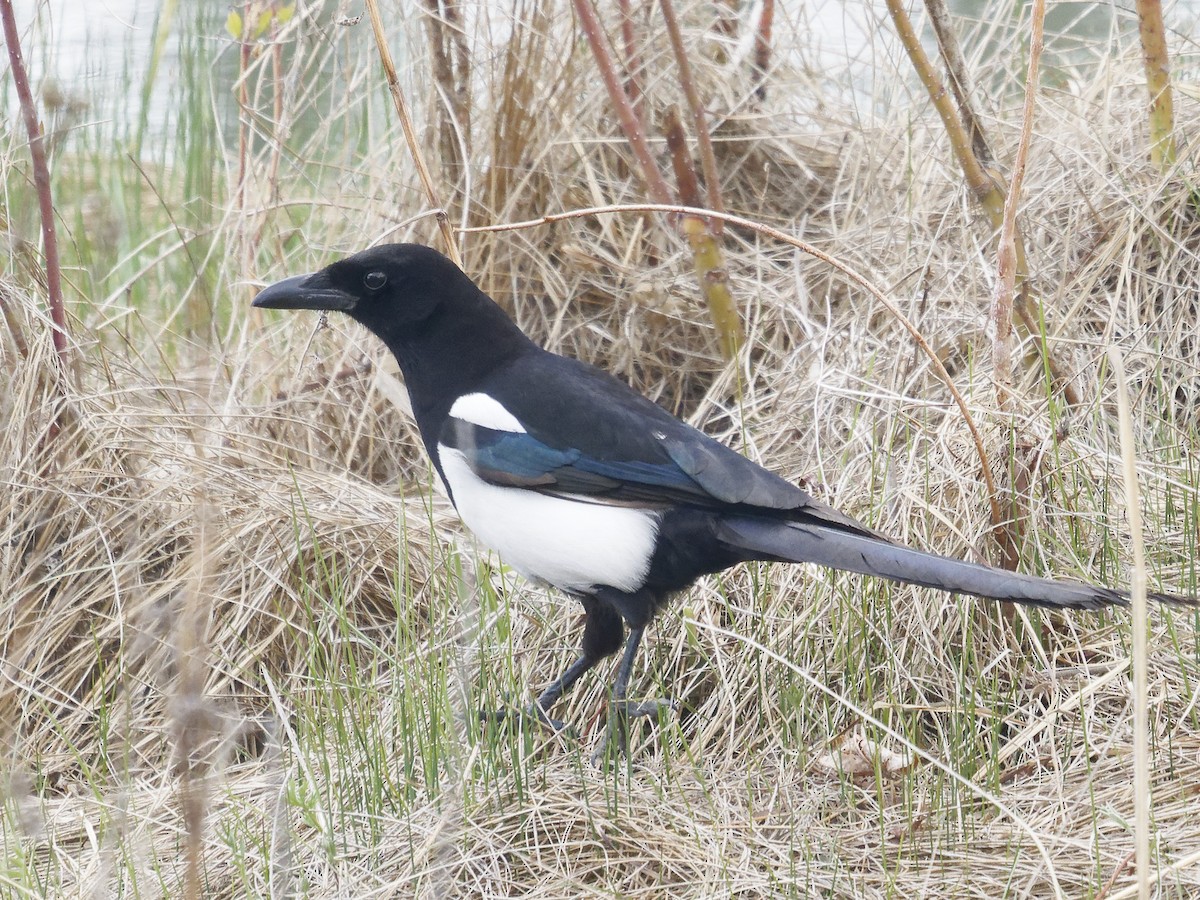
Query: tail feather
x=867 y=555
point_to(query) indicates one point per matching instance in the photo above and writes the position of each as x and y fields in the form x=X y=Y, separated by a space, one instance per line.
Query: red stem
x=41 y=180
x=762 y=48
x=708 y=159
x=635 y=132
x=633 y=64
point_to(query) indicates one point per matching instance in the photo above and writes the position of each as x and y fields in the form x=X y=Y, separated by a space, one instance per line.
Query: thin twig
x=706 y=250
x=41 y=180
x=983 y=184
x=1116 y=873
x=410 y=134
x=1137 y=640
x=633 y=60
x=762 y=49
x=985 y=188
x=454 y=112
x=14 y=326
x=1161 y=874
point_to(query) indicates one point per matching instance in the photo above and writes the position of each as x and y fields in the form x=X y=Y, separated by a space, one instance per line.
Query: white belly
x=572 y=544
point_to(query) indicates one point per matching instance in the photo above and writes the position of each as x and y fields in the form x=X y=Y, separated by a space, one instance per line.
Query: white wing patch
x=486 y=412
x=574 y=545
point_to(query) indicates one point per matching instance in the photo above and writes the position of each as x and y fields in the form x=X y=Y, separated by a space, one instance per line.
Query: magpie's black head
x=388 y=288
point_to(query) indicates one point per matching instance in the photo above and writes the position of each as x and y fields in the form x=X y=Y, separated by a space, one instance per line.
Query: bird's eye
x=374 y=280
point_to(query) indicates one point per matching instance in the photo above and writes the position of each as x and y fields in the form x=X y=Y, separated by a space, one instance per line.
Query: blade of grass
x=1138 y=630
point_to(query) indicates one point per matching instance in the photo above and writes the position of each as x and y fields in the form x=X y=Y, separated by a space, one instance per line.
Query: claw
x=633 y=709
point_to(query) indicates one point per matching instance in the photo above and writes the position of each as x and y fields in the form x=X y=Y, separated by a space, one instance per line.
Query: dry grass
x=231 y=599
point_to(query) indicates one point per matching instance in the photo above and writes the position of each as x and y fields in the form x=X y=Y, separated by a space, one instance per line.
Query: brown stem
x=631 y=124
x=452 y=111
x=985 y=188
x=243 y=99
x=960 y=78
x=633 y=61
x=1158 y=79
x=702 y=237
x=983 y=184
x=762 y=49
x=1002 y=298
x=41 y=180
x=462 y=71
x=706 y=251
x=14 y=325
x=708 y=160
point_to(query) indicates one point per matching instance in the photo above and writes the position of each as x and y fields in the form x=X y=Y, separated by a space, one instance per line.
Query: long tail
x=851 y=552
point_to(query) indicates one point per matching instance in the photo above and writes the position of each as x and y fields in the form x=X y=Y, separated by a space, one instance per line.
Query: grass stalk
x=1006 y=250
x=960 y=78
x=985 y=188
x=762 y=49
x=452 y=72
x=193 y=716
x=633 y=59
x=164 y=20
x=707 y=257
x=13 y=324
x=969 y=144
x=1138 y=640
x=687 y=81
x=1157 y=64
x=704 y=239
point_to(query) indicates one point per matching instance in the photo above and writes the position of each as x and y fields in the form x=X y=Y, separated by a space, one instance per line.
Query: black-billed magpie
x=578 y=481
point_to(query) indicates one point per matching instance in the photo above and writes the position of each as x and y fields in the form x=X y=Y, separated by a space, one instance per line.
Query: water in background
x=97 y=72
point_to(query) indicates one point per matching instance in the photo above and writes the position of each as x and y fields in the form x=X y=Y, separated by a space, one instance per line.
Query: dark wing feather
x=589 y=434
x=522 y=460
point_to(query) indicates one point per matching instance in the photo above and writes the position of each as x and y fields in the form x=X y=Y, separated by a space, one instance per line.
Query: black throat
x=450 y=353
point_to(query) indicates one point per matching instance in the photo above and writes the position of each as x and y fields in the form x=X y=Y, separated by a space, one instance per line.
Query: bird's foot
x=531 y=713
x=616 y=735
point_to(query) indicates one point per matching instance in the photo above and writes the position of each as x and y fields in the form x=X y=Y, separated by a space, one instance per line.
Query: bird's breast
x=573 y=544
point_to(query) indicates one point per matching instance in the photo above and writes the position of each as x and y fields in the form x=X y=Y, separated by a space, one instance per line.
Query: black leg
x=625 y=669
x=564 y=682
x=602 y=635
x=621 y=710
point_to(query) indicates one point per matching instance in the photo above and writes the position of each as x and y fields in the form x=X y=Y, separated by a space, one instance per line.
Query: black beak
x=305 y=292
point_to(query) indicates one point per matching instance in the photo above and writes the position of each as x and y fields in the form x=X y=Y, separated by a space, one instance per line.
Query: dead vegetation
x=236 y=623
